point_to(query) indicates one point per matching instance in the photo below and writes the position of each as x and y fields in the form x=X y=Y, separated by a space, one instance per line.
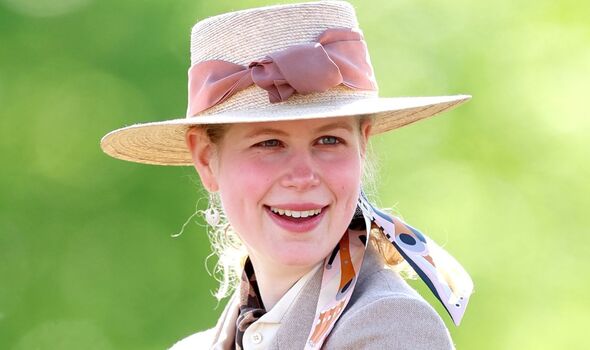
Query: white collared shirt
x=260 y=333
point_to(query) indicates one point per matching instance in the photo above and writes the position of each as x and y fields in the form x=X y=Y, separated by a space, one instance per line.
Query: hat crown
x=242 y=37
x=245 y=36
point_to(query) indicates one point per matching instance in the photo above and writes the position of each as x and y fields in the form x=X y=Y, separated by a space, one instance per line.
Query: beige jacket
x=383 y=313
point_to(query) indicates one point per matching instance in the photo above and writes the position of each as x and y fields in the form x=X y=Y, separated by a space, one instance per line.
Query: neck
x=275 y=280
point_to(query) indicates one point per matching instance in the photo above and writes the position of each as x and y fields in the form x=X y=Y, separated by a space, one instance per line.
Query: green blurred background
x=86 y=257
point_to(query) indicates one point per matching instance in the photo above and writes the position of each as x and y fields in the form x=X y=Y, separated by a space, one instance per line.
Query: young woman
x=282 y=103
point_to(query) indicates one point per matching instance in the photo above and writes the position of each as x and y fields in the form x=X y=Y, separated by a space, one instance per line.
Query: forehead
x=299 y=127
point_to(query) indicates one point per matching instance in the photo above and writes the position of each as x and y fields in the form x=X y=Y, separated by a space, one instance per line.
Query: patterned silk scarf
x=443 y=275
x=251 y=307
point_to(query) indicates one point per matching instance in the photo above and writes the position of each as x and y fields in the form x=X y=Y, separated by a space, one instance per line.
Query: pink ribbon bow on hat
x=339 y=57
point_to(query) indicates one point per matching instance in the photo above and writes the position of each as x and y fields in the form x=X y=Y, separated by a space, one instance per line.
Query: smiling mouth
x=296 y=213
x=296 y=221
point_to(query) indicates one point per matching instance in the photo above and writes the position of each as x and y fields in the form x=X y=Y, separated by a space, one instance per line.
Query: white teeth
x=295 y=213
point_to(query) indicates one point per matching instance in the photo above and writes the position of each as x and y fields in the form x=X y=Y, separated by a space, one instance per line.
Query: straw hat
x=286 y=62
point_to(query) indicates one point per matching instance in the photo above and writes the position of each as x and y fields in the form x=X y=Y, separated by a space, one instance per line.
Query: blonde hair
x=231 y=252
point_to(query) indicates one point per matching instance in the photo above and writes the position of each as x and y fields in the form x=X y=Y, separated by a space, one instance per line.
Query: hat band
x=339 y=56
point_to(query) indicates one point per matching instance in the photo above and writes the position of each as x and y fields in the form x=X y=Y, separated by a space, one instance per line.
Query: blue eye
x=328 y=140
x=269 y=143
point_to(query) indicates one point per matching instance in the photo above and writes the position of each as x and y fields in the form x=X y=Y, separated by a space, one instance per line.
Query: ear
x=204 y=155
x=365 y=129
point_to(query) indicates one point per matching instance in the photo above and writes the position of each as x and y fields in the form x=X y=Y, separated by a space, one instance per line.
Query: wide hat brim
x=164 y=142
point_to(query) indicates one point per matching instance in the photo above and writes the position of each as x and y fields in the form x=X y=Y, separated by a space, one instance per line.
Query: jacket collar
x=225 y=330
x=297 y=322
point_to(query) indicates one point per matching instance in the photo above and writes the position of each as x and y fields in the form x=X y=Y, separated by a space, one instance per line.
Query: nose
x=301 y=174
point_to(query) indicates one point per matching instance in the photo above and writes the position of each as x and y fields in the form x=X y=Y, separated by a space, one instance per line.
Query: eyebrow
x=335 y=125
x=323 y=128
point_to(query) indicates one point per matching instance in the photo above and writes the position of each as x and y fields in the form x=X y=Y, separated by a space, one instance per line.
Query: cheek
x=245 y=175
x=343 y=173
x=242 y=185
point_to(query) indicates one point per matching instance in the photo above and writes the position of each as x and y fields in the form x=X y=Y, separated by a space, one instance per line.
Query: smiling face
x=289 y=189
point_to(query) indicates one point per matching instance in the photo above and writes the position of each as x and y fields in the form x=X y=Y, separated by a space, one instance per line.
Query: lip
x=300 y=225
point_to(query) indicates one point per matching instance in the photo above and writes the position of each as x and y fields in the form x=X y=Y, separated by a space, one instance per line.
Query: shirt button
x=256 y=338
